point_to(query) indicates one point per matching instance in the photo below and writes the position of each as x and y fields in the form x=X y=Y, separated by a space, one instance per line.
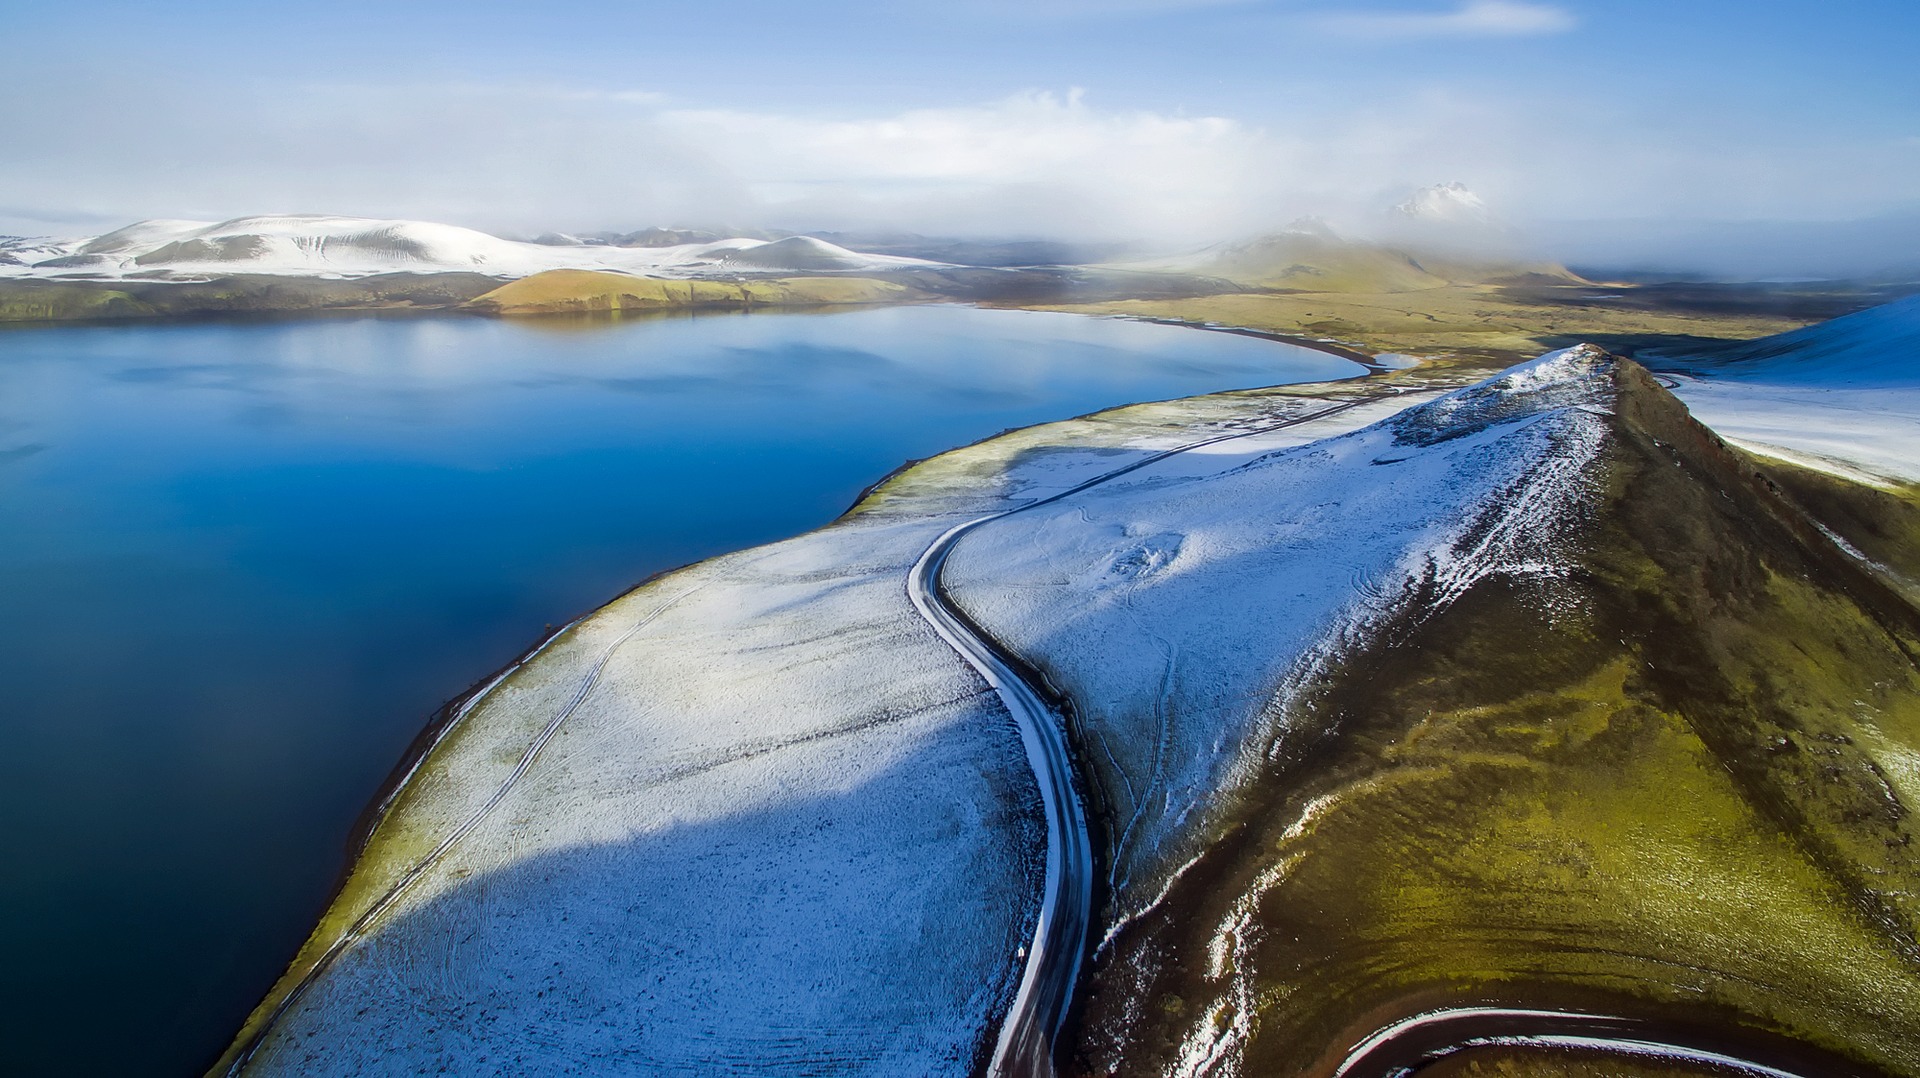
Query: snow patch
x=1451 y=203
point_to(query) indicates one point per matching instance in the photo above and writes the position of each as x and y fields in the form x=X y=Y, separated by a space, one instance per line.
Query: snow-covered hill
x=1183 y=606
x=753 y=816
x=797 y=253
x=1843 y=395
x=313 y=245
x=1879 y=346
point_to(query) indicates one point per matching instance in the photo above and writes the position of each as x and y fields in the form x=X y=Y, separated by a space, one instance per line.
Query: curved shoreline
x=1318 y=344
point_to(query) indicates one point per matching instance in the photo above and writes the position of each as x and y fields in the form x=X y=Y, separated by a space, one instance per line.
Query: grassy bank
x=576 y=291
x=1491 y=323
x=249 y=294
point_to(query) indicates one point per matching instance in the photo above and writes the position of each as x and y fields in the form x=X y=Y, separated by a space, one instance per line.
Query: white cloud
x=527 y=159
x=1472 y=18
x=1032 y=162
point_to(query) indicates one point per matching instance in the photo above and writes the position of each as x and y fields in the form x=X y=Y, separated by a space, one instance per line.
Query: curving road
x=1054 y=957
x=1025 y=1047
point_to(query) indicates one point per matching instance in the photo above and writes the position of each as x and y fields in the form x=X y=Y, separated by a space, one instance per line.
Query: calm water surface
x=242 y=563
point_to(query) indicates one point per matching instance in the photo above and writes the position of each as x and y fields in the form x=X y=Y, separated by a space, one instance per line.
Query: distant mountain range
x=1307 y=255
x=313 y=245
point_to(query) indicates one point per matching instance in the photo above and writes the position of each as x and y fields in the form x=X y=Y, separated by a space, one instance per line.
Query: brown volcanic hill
x=1672 y=782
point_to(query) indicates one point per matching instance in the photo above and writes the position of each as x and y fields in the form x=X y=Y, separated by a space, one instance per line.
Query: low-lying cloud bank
x=531 y=158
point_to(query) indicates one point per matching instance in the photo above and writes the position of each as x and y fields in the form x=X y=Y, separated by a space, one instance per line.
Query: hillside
x=1310 y=257
x=568 y=291
x=59 y=300
x=1621 y=731
x=1478 y=312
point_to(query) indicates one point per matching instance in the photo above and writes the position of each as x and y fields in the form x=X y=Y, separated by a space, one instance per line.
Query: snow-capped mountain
x=315 y=245
x=1445 y=203
x=28 y=250
x=794 y=252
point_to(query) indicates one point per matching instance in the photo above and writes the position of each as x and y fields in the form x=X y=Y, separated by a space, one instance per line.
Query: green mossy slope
x=52 y=301
x=572 y=291
x=259 y=293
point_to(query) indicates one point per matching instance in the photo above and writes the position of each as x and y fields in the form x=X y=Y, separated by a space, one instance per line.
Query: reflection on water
x=241 y=563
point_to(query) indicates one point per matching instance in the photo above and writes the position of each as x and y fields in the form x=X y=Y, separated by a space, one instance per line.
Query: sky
x=1629 y=123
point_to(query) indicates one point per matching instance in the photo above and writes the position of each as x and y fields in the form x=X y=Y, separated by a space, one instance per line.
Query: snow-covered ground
x=1183 y=606
x=771 y=822
x=1842 y=396
x=312 y=245
x=777 y=828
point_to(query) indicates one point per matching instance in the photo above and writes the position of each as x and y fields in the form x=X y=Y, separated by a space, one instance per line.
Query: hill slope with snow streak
x=1536 y=693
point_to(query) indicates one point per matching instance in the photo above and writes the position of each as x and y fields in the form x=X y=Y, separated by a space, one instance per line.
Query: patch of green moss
x=42 y=301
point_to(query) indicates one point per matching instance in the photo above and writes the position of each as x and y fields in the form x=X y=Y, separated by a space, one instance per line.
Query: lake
x=241 y=564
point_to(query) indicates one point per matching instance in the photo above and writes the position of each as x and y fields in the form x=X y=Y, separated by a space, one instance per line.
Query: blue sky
x=1171 y=118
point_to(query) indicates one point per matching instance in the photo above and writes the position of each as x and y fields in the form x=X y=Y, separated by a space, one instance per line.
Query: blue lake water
x=242 y=563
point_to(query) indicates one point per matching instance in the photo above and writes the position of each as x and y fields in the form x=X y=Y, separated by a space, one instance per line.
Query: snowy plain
x=1841 y=396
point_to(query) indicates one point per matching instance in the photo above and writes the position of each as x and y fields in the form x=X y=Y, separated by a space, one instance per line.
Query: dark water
x=240 y=564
